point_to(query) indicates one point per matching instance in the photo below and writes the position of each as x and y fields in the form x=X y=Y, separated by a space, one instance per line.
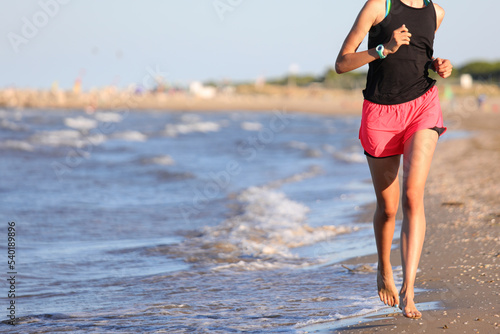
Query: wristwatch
x=380 y=50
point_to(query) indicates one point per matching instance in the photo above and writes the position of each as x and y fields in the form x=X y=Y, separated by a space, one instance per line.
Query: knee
x=387 y=211
x=413 y=199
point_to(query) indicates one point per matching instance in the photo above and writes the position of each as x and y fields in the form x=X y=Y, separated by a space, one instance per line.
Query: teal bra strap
x=388 y=6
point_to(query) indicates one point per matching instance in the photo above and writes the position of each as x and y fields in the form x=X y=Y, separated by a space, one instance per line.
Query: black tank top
x=402 y=76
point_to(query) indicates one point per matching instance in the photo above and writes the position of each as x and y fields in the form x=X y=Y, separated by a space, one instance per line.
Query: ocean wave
x=173 y=130
x=72 y=138
x=349 y=155
x=8 y=125
x=130 y=136
x=251 y=126
x=163 y=160
x=308 y=151
x=108 y=117
x=262 y=236
x=17 y=145
x=80 y=123
x=335 y=320
x=260 y=265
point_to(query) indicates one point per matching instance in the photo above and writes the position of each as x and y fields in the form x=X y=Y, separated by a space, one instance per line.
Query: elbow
x=340 y=65
x=339 y=68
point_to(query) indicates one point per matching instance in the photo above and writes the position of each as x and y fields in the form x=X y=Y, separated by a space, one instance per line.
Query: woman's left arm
x=443 y=67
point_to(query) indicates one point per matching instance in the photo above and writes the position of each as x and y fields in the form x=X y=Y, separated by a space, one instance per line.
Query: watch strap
x=380 y=51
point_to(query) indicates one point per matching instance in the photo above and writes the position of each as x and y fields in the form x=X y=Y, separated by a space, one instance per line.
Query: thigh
x=385 y=179
x=417 y=158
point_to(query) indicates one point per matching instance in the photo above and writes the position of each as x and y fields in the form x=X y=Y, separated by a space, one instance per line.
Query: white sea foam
x=369 y=306
x=173 y=130
x=259 y=265
x=130 y=136
x=352 y=157
x=6 y=124
x=164 y=160
x=57 y=138
x=298 y=145
x=80 y=123
x=71 y=138
x=269 y=227
x=251 y=126
x=108 y=117
x=17 y=145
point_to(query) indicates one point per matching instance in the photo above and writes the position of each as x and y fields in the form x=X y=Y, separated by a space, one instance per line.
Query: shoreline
x=314 y=100
x=460 y=263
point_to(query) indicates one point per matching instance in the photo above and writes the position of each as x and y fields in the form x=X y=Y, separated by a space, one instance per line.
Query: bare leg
x=418 y=153
x=386 y=184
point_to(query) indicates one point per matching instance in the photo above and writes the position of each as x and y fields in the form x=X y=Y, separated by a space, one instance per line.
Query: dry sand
x=324 y=101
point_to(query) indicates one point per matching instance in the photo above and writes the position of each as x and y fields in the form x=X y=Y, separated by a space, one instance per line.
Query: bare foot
x=387 y=290
x=407 y=305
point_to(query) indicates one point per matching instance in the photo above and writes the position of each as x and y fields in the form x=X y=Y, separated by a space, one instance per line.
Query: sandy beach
x=460 y=264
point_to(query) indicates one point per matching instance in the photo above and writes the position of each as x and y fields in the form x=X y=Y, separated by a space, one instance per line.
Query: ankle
x=406 y=293
x=384 y=268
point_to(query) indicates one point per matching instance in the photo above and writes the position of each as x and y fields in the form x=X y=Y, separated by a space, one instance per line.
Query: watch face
x=380 y=51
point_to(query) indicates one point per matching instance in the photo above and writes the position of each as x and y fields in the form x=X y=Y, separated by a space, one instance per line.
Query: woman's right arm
x=371 y=14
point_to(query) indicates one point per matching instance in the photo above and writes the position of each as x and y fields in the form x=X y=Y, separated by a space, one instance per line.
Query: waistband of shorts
x=431 y=91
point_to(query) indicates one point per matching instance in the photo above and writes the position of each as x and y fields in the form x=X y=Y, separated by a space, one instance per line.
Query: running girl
x=401 y=116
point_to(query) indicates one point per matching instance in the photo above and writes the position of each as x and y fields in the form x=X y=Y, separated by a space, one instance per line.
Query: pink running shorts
x=385 y=128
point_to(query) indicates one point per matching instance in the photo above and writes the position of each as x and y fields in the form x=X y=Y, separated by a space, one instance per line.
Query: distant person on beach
x=401 y=116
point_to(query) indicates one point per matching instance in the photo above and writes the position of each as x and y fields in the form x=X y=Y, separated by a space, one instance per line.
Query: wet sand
x=460 y=263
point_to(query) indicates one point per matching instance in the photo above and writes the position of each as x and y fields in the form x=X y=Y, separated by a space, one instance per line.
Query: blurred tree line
x=483 y=71
x=329 y=79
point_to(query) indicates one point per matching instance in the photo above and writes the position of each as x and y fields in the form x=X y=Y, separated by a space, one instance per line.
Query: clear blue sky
x=120 y=41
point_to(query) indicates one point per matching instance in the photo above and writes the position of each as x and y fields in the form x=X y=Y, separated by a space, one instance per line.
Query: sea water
x=183 y=222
